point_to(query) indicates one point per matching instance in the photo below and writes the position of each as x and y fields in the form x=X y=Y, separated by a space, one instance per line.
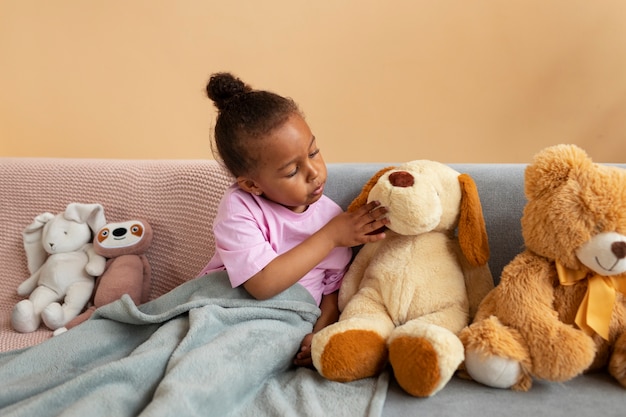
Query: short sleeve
x=241 y=244
x=333 y=280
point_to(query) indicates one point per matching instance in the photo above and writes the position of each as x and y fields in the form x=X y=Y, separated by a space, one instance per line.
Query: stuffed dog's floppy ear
x=472 y=229
x=361 y=199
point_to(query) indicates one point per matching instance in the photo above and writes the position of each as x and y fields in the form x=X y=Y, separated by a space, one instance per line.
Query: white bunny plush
x=63 y=267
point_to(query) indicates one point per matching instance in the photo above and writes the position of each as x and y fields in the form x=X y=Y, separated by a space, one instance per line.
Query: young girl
x=274 y=226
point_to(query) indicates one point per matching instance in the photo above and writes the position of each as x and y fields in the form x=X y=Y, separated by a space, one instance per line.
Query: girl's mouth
x=319 y=190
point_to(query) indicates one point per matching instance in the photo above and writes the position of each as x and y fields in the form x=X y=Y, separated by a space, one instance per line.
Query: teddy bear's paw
x=23 y=317
x=422 y=366
x=53 y=316
x=493 y=371
x=496 y=355
x=617 y=368
x=352 y=355
x=617 y=364
x=569 y=355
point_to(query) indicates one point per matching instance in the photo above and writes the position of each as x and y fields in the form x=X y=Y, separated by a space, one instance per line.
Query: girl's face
x=290 y=169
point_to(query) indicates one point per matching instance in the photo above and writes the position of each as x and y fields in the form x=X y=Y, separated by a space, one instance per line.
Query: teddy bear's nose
x=401 y=179
x=619 y=249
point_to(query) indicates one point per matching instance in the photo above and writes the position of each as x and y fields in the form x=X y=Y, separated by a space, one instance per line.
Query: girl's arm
x=330 y=311
x=330 y=315
x=345 y=230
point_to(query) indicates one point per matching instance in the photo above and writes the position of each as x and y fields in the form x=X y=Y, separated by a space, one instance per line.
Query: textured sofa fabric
x=179 y=199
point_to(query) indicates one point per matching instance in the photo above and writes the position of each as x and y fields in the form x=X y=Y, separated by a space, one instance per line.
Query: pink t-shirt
x=250 y=231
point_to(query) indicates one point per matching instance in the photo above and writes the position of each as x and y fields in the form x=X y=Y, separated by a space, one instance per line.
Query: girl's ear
x=249 y=185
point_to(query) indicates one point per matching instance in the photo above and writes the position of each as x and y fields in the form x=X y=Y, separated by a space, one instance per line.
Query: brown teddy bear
x=127 y=269
x=560 y=308
x=405 y=298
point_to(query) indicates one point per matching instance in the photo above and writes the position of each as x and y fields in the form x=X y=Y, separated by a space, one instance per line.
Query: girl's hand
x=344 y=230
x=303 y=357
x=360 y=226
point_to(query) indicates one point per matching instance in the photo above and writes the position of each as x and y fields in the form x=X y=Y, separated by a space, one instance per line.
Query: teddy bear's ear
x=361 y=199
x=552 y=167
x=472 y=230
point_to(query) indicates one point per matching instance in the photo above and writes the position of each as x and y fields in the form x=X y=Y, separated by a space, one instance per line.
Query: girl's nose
x=313 y=171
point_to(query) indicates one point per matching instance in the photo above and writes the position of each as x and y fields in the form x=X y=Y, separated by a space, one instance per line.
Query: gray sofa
x=179 y=199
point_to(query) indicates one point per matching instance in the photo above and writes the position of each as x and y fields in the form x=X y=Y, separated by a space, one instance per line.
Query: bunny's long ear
x=35 y=252
x=472 y=230
x=361 y=199
x=92 y=214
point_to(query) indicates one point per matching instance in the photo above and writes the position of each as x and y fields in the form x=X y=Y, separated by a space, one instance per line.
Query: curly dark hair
x=245 y=117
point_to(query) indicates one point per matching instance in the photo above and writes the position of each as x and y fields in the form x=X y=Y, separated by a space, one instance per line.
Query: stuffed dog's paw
x=424 y=361
x=351 y=355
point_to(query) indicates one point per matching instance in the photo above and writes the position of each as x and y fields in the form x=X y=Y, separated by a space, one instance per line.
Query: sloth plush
x=127 y=269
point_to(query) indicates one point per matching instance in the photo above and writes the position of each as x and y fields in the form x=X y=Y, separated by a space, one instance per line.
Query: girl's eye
x=293 y=173
x=314 y=153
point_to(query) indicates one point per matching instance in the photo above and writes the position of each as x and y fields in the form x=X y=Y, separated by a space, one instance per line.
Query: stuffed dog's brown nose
x=401 y=179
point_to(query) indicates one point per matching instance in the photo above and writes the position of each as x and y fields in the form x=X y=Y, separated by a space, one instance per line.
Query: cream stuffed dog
x=63 y=265
x=405 y=298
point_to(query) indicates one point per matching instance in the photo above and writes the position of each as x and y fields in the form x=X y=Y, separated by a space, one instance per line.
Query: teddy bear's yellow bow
x=595 y=310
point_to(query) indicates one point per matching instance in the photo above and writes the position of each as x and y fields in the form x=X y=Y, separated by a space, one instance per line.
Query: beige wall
x=450 y=80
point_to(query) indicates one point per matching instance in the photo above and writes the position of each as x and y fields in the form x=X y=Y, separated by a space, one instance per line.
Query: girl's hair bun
x=223 y=87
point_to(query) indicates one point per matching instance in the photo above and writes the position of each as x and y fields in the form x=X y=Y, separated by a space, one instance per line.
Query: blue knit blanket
x=203 y=349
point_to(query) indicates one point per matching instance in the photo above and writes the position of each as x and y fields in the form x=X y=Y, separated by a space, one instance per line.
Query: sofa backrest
x=178 y=198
